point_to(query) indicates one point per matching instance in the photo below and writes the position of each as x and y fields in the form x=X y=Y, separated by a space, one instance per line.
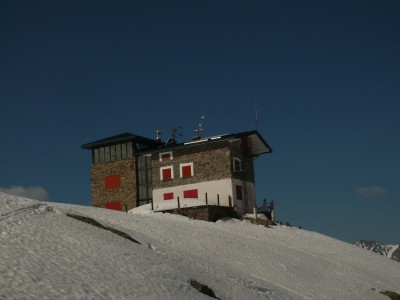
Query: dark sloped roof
x=257 y=142
x=121 y=138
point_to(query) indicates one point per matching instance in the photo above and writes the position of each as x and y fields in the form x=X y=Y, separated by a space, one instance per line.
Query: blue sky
x=324 y=76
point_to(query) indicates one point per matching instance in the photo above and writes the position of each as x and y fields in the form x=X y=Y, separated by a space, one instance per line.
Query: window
x=167 y=173
x=129 y=149
x=165 y=156
x=144 y=178
x=107 y=154
x=239 y=192
x=101 y=150
x=193 y=194
x=123 y=151
x=112 y=182
x=96 y=154
x=237 y=164
x=168 y=196
x=112 y=151
x=186 y=170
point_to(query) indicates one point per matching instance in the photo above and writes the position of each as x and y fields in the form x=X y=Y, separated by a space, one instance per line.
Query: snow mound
x=47 y=255
x=144 y=209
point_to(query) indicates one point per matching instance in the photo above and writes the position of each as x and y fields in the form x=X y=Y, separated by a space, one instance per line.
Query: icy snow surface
x=47 y=255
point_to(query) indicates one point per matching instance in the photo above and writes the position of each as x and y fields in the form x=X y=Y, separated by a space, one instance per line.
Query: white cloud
x=371 y=191
x=32 y=192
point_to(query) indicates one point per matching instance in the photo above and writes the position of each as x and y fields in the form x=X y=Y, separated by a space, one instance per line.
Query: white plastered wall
x=223 y=188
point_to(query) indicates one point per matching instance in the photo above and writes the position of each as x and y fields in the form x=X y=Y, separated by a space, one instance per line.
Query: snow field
x=47 y=255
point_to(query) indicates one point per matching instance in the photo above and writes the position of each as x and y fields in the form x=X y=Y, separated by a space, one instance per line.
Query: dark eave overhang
x=258 y=144
x=121 y=138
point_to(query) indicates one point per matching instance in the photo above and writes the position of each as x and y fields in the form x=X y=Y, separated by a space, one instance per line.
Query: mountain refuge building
x=129 y=170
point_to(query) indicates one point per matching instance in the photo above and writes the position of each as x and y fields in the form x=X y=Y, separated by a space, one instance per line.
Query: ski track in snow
x=46 y=255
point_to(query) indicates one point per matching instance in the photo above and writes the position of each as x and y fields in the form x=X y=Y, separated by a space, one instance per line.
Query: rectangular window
x=118 y=151
x=239 y=192
x=167 y=173
x=101 y=150
x=186 y=170
x=112 y=151
x=165 y=156
x=112 y=182
x=129 y=149
x=237 y=164
x=114 y=205
x=192 y=194
x=107 y=154
x=168 y=196
x=123 y=151
x=144 y=177
x=96 y=156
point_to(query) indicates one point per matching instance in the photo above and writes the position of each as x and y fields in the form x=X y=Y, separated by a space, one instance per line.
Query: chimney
x=158 y=135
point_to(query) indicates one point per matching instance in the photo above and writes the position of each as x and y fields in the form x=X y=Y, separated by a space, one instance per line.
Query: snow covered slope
x=47 y=255
x=389 y=251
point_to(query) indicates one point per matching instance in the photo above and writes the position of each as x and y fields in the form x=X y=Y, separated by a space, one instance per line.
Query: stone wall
x=210 y=162
x=126 y=192
x=247 y=161
x=210 y=213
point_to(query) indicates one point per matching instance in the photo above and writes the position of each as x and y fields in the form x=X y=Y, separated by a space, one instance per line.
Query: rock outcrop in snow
x=389 y=251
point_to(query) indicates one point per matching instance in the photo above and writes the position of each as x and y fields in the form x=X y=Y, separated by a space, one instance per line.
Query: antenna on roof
x=257 y=119
x=199 y=129
x=174 y=135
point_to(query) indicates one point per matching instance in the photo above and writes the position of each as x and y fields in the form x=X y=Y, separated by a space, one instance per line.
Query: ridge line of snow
x=19 y=211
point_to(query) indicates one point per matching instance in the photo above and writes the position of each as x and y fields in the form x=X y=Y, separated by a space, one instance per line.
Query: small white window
x=186 y=170
x=167 y=173
x=237 y=164
x=166 y=156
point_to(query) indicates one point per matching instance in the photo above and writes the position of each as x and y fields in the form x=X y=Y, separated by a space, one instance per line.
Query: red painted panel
x=114 y=205
x=112 y=182
x=187 y=171
x=239 y=192
x=166 y=174
x=168 y=196
x=191 y=194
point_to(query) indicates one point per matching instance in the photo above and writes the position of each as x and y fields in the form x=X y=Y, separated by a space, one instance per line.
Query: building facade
x=129 y=170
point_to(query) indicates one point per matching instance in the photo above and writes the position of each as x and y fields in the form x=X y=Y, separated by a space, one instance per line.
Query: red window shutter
x=168 y=196
x=187 y=171
x=239 y=192
x=166 y=174
x=165 y=156
x=191 y=194
x=114 y=205
x=112 y=182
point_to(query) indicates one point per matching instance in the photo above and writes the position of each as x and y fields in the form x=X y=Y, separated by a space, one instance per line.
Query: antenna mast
x=199 y=129
x=257 y=119
x=255 y=107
